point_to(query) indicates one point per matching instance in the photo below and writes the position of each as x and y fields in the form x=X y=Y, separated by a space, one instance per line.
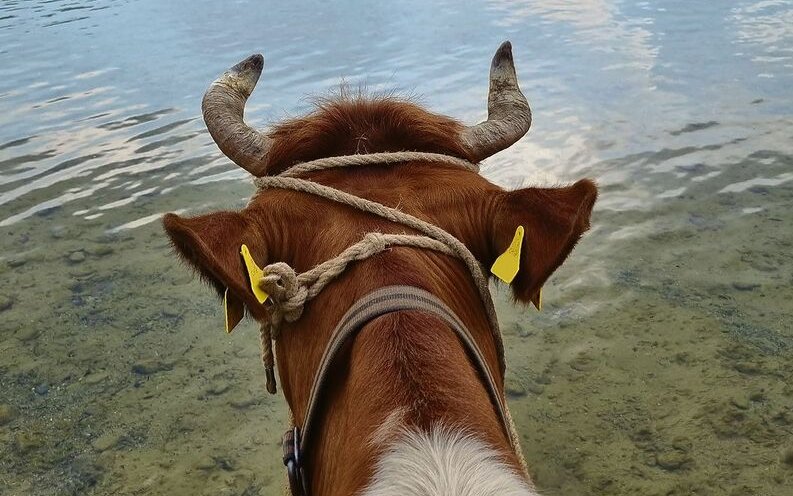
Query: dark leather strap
x=380 y=302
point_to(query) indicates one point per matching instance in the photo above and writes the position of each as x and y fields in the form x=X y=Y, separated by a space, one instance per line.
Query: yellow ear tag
x=254 y=274
x=507 y=264
x=233 y=311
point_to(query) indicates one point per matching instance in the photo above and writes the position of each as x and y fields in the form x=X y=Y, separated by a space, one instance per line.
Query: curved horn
x=508 y=112
x=224 y=106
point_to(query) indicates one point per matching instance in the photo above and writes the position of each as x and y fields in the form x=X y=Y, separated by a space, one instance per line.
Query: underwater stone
x=27 y=441
x=536 y=388
x=77 y=257
x=206 y=463
x=682 y=444
x=7 y=414
x=59 y=232
x=672 y=460
x=582 y=362
x=107 y=441
x=739 y=402
x=747 y=368
x=16 y=262
x=745 y=286
x=42 y=389
x=757 y=396
x=219 y=388
x=101 y=250
x=513 y=386
x=95 y=378
x=27 y=333
x=787 y=457
x=6 y=302
x=224 y=463
x=149 y=367
x=242 y=402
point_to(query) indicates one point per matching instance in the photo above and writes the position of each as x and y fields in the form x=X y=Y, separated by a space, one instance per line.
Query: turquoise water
x=661 y=363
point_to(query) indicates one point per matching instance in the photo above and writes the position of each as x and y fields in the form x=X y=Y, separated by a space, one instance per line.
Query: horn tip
x=253 y=64
x=503 y=54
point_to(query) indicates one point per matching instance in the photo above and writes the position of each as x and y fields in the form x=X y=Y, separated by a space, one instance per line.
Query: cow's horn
x=223 y=107
x=508 y=112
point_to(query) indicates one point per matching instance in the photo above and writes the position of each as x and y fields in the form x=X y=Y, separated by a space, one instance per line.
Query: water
x=661 y=364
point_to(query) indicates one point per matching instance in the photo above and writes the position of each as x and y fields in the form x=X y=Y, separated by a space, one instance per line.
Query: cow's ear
x=211 y=244
x=553 y=220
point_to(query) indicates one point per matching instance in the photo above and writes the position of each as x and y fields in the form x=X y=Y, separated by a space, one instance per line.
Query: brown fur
x=407 y=359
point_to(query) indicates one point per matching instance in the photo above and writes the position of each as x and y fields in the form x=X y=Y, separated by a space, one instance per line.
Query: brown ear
x=211 y=244
x=554 y=220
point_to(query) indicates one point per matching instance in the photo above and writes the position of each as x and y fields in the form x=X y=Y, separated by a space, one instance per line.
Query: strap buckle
x=292 y=461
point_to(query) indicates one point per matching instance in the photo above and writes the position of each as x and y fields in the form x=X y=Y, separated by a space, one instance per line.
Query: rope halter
x=290 y=291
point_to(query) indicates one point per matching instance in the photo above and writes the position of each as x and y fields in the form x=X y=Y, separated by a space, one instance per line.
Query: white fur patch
x=443 y=462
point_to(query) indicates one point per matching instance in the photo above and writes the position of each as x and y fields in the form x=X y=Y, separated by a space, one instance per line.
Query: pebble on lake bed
x=513 y=385
x=672 y=460
x=745 y=286
x=107 y=441
x=16 y=262
x=77 y=257
x=787 y=456
x=24 y=442
x=101 y=250
x=27 y=333
x=149 y=367
x=6 y=302
x=7 y=414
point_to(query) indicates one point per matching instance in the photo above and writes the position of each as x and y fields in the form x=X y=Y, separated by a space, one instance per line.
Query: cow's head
x=480 y=214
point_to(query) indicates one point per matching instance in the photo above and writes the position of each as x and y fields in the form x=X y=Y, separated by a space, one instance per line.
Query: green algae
x=655 y=367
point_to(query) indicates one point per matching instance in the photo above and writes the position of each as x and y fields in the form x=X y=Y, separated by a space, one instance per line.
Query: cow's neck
x=411 y=381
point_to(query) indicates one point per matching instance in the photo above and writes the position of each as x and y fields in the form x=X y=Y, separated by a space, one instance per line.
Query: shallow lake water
x=661 y=363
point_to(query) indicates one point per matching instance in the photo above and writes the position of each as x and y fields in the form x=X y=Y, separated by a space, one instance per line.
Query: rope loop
x=282 y=283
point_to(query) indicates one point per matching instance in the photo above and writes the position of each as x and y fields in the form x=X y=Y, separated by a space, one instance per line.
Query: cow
x=404 y=410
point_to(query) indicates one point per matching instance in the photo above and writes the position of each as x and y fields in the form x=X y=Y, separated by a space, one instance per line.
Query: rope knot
x=375 y=242
x=281 y=282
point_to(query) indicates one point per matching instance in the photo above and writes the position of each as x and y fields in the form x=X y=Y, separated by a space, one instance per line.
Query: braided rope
x=376 y=159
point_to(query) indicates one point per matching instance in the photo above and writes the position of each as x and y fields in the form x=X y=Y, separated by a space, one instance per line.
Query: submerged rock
x=218 y=388
x=787 y=457
x=95 y=378
x=149 y=367
x=740 y=402
x=513 y=386
x=101 y=250
x=745 y=286
x=107 y=441
x=63 y=232
x=672 y=460
x=16 y=262
x=25 y=442
x=7 y=414
x=77 y=257
x=6 y=302
x=205 y=463
x=243 y=401
x=27 y=333
x=536 y=388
